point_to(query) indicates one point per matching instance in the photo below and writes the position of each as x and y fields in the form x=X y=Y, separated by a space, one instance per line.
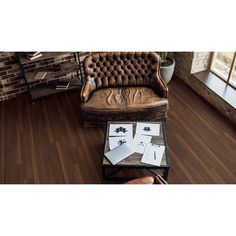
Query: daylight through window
x=224 y=65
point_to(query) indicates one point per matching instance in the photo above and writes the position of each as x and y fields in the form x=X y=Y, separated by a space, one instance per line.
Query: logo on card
x=121 y=129
x=141 y=144
x=146 y=128
x=121 y=141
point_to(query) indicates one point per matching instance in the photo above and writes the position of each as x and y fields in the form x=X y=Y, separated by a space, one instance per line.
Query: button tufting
x=122 y=68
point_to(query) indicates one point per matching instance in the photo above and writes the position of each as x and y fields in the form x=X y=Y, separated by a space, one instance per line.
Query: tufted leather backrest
x=115 y=69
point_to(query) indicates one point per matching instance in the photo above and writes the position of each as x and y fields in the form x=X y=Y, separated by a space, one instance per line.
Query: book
x=33 y=54
x=40 y=75
x=62 y=85
x=119 y=153
x=34 y=57
x=153 y=154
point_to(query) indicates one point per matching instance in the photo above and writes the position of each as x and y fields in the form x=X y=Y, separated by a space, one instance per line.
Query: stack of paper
x=122 y=144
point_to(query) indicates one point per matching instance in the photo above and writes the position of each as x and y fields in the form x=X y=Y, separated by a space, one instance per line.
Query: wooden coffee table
x=133 y=161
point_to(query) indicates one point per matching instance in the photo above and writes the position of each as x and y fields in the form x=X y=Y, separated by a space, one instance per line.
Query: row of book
x=60 y=84
x=33 y=55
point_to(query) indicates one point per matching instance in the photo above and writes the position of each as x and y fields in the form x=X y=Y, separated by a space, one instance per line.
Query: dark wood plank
x=45 y=142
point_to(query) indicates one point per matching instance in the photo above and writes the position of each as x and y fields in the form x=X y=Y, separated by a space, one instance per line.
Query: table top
x=134 y=159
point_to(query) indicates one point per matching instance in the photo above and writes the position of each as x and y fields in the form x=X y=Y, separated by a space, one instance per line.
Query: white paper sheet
x=153 y=154
x=117 y=141
x=121 y=130
x=148 y=129
x=119 y=153
x=140 y=141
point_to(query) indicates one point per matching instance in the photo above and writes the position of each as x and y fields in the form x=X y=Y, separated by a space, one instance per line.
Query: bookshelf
x=69 y=71
x=45 y=56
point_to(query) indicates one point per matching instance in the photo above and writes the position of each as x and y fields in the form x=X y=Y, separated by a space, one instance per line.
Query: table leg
x=109 y=174
x=104 y=175
x=165 y=173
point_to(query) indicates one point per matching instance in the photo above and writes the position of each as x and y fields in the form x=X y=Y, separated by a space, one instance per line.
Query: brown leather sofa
x=123 y=86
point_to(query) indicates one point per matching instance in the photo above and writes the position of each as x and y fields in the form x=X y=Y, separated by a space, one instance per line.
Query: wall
x=201 y=61
x=12 y=83
x=183 y=64
x=191 y=62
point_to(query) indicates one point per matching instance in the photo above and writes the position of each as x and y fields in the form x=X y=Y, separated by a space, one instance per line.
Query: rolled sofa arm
x=164 y=89
x=157 y=81
x=85 y=92
x=160 y=85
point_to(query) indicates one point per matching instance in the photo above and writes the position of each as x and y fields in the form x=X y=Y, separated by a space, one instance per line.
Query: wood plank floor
x=46 y=143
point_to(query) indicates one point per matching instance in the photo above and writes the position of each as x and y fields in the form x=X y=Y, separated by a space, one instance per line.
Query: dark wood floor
x=46 y=143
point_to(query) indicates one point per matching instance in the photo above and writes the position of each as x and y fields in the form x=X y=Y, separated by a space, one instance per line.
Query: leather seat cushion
x=129 y=98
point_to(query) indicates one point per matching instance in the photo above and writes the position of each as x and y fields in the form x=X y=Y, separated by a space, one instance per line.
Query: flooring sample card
x=140 y=141
x=119 y=153
x=117 y=141
x=148 y=129
x=120 y=130
x=153 y=154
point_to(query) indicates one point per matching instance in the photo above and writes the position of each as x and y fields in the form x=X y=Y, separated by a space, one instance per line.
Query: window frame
x=213 y=56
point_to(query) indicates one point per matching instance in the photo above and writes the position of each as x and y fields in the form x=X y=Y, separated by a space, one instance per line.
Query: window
x=224 y=66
